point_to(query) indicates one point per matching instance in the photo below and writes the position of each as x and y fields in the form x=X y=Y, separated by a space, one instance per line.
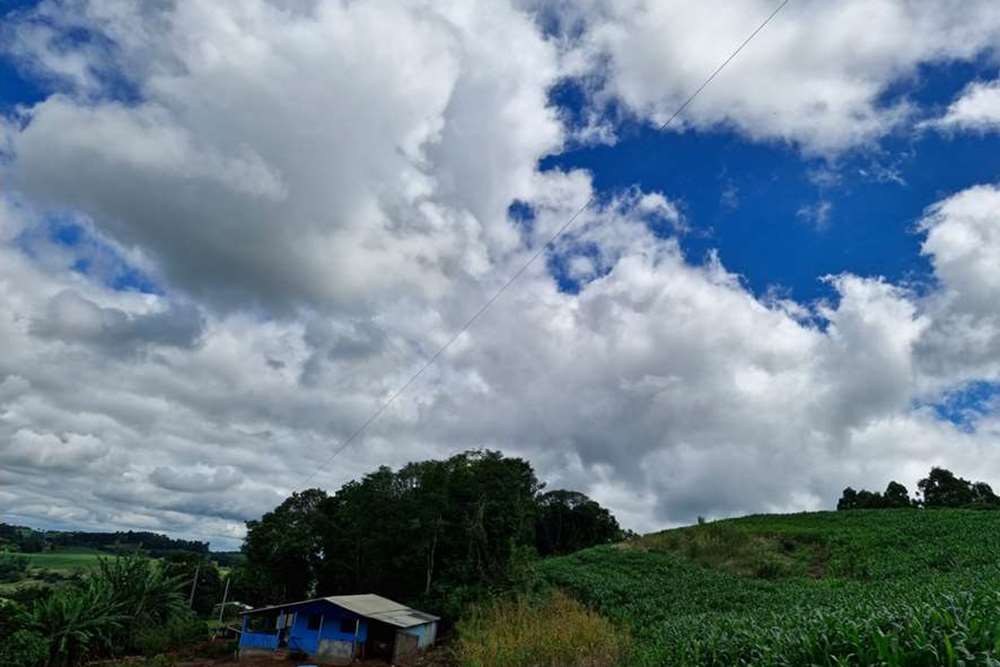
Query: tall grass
x=551 y=630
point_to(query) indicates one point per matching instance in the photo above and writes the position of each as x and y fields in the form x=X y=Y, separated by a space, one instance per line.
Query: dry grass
x=551 y=631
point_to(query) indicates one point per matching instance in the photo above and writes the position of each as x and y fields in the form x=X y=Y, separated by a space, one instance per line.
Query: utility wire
x=531 y=260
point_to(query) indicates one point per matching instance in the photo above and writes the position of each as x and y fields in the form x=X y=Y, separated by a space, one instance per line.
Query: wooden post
x=194 y=584
x=354 y=644
x=222 y=608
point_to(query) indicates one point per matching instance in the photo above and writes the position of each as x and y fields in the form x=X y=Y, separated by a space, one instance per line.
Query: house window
x=347 y=626
x=262 y=623
x=315 y=621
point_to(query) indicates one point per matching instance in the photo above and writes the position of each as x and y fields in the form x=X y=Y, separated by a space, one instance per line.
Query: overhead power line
x=531 y=260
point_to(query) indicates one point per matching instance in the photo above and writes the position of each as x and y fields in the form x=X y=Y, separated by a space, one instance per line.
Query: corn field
x=888 y=587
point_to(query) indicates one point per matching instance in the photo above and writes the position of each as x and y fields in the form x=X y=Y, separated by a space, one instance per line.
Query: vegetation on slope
x=437 y=534
x=130 y=604
x=551 y=631
x=893 y=587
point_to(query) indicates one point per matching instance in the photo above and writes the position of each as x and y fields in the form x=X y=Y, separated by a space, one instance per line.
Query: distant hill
x=29 y=540
x=906 y=587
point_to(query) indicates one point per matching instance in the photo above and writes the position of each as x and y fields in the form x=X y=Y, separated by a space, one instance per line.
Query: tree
x=467 y=522
x=568 y=521
x=941 y=488
x=848 y=500
x=983 y=496
x=185 y=566
x=860 y=500
x=896 y=495
x=285 y=546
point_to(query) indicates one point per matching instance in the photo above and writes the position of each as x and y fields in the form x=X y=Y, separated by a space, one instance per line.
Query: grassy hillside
x=892 y=587
x=76 y=559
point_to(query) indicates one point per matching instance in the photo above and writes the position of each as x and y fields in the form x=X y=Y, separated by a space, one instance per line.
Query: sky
x=230 y=231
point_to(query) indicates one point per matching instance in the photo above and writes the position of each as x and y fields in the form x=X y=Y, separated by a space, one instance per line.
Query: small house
x=339 y=629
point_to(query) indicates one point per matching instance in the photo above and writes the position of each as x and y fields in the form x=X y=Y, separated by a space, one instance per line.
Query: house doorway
x=379 y=645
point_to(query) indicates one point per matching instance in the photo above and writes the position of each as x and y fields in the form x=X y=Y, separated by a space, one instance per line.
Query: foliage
x=23 y=648
x=283 y=548
x=551 y=631
x=941 y=488
x=79 y=621
x=895 y=496
x=896 y=587
x=13 y=617
x=434 y=531
x=29 y=540
x=457 y=521
x=72 y=559
x=28 y=594
x=568 y=521
x=185 y=566
x=180 y=630
x=12 y=566
x=104 y=613
x=724 y=546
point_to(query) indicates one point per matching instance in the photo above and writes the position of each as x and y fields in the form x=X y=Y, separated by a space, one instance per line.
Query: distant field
x=885 y=587
x=74 y=559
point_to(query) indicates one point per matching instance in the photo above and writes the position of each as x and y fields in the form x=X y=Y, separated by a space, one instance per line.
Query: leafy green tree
x=568 y=521
x=185 y=566
x=285 y=546
x=941 y=488
x=896 y=495
x=429 y=527
x=983 y=496
x=861 y=500
x=848 y=499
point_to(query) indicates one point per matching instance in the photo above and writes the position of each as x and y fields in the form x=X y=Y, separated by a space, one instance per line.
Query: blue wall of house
x=300 y=637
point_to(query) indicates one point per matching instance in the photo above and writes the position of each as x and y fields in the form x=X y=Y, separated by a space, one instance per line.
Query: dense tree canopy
x=568 y=521
x=430 y=527
x=895 y=495
x=941 y=488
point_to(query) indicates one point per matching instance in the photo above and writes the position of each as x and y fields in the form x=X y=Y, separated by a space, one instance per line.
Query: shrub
x=551 y=630
x=20 y=645
x=78 y=621
x=13 y=617
x=13 y=566
x=181 y=630
x=24 y=648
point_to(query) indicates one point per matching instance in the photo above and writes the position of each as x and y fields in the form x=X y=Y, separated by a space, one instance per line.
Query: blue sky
x=241 y=227
x=755 y=202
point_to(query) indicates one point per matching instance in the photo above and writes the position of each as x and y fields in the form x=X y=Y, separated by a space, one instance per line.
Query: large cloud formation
x=319 y=192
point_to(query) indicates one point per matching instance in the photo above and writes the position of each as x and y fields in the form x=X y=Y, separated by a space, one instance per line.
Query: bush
x=24 y=648
x=552 y=630
x=28 y=595
x=13 y=617
x=177 y=632
x=13 y=566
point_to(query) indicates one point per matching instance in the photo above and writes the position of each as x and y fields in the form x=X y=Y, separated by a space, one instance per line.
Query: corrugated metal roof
x=370 y=606
x=382 y=609
x=366 y=605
